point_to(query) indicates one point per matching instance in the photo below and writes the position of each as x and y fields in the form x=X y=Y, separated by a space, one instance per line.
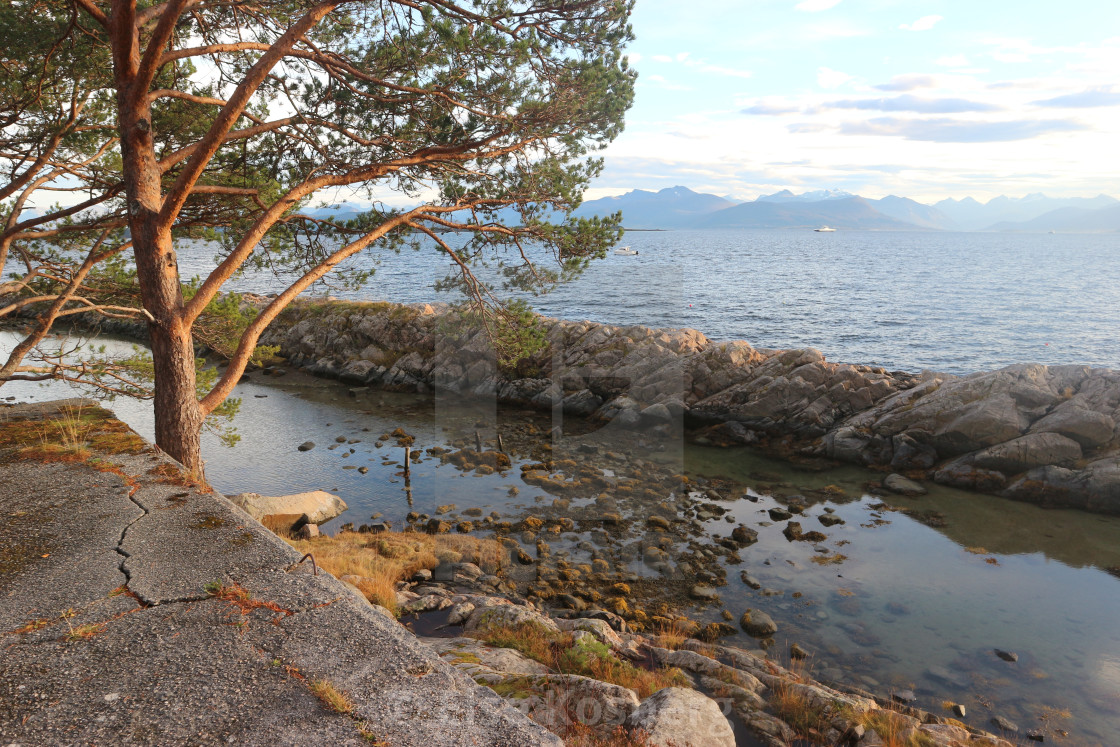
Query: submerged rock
x=896 y=483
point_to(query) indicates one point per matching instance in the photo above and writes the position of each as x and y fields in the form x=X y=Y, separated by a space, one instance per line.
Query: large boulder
x=677 y=717
x=980 y=424
x=319 y=505
x=1030 y=451
x=1094 y=488
x=1087 y=427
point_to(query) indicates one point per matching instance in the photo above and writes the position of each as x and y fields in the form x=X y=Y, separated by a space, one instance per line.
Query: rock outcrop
x=318 y=506
x=1046 y=434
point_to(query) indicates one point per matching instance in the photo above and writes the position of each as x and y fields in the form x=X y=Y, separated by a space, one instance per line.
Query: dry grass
x=72 y=436
x=85 y=632
x=383 y=560
x=562 y=653
x=577 y=734
x=332 y=697
x=895 y=730
x=790 y=704
x=672 y=635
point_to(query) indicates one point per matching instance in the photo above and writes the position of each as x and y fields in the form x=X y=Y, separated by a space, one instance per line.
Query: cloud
x=662 y=83
x=956 y=131
x=772 y=108
x=1083 y=100
x=908 y=83
x=925 y=23
x=908 y=103
x=661 y=58
x=828 y=78
x=802 y=128
x=815 y=6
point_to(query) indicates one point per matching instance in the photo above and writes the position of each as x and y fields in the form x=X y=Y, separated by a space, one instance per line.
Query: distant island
x=680 y=207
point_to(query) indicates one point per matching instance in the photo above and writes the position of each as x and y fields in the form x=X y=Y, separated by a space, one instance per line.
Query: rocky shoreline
x=714 y=686
x=1043 y=434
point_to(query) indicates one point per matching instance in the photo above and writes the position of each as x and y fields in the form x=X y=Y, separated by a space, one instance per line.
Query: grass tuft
x=332 y=697
x=85 y=632
x=561 y=652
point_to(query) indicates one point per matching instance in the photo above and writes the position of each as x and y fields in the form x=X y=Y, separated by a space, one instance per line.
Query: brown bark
x=178 y=419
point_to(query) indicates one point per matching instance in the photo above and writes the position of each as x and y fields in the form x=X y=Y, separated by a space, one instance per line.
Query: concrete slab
x=109 y=635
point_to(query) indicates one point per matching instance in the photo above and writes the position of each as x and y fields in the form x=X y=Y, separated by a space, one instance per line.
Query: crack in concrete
x=130 y=494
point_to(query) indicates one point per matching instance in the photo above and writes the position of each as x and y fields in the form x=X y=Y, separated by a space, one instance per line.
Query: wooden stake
x=478 y=441
x=407 y=460
x=501 y=446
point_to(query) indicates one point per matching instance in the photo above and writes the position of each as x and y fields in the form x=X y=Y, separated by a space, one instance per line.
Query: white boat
x=825 y=229
x=626 y=250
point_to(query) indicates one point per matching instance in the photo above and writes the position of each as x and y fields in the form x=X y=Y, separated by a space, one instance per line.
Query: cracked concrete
x=109 y=636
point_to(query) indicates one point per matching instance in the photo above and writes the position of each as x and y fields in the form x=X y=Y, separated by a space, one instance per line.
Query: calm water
x=953 y=302
x=908 y=607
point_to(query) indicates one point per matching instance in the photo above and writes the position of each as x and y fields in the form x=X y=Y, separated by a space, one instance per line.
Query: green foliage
x=487 y=115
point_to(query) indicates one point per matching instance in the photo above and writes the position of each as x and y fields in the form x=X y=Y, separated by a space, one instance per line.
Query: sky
x=925 y=99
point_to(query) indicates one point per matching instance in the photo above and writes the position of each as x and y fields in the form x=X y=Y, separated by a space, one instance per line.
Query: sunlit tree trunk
x=178 y=417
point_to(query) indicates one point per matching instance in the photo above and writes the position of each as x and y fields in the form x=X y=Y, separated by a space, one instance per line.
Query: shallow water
x=905 y=599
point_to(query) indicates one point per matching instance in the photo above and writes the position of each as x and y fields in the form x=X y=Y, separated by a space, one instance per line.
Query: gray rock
x=459 y=613
x=1005 y=725
x=758 y=624
x=750 y=580
x=319 y=505
x=960 y=473
x=1007 y=655
x=909 y=453
x=705 y=593
x=980 y=424
x=896 y=483
x=307 y=531
x=657 y=413
x=678 y=717
x=1089 y=428
x=744 y=535
x=1030 y=451
x=306 y=446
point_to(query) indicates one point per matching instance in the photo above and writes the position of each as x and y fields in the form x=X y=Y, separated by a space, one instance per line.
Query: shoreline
x=488 y=633
x=1042 y=434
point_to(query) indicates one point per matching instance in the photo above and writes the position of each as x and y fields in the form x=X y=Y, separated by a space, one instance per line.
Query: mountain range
x=680 y=207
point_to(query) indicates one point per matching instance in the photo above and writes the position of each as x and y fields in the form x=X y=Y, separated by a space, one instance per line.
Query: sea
x=950 y=302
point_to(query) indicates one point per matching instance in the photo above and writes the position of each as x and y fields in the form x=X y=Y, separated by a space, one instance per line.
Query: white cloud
x=828 y=78
x=662 y=58
x=635 y=57
x=925 y=23
x=815 y=6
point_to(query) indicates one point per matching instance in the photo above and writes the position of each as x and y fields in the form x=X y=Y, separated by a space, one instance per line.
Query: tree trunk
x=178 y=415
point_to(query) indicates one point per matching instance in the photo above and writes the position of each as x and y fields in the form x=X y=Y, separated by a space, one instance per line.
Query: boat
x=626 y=250
x=825 y=229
